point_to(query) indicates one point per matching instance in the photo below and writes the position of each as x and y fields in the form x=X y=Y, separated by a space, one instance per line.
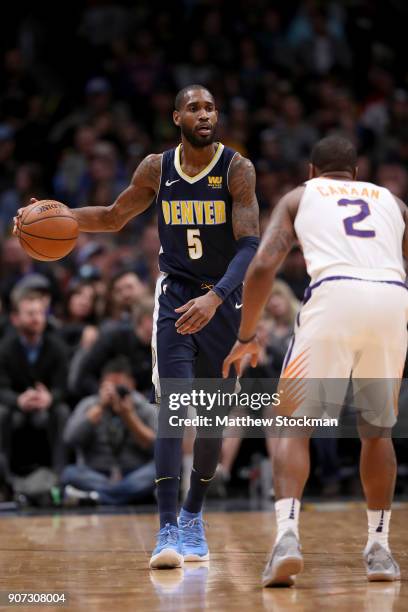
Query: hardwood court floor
x=100 y=563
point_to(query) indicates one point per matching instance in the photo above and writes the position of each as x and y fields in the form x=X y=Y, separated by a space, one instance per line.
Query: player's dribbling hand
x=197 y=313
x=238 y=354
x=17 y=218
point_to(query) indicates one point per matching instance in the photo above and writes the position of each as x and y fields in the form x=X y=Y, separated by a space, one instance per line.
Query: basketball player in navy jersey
x=208 y=224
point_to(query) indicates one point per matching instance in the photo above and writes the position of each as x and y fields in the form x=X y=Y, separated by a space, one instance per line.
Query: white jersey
x=350 y=228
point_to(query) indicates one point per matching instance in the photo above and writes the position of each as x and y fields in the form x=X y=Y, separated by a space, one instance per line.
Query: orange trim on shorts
x=300 y=373
x=293 y=394
x=294 y=364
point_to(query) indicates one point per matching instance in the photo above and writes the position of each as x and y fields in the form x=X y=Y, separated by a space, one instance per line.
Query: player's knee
x=371 y=434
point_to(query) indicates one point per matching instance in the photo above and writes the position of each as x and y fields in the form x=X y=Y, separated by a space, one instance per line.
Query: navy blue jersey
x=195 y=218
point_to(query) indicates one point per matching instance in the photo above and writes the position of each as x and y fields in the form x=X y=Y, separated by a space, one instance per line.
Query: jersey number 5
x=195 y=246
x=350 y=222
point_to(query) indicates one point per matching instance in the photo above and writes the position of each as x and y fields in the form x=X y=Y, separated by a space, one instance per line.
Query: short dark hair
x=30 y=295
x=334 y=153
x=118 y=365
x=121 y=273
x=142 y=309
x=179 y=99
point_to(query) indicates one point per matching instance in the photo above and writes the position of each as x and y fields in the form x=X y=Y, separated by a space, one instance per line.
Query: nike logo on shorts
x=168 y=183
x=238 y=306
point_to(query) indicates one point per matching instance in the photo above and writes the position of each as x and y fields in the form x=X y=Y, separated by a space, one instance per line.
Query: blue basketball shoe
x=192 y=536
x=168 y=552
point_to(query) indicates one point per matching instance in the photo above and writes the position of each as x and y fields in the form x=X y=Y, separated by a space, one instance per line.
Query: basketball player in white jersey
x=353 y=323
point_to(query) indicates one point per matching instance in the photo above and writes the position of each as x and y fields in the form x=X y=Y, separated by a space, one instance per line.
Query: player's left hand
x=197 y=313
x=238 y=356
x=17 y=218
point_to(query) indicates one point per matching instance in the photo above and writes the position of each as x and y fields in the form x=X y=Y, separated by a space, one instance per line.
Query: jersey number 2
x=195 y=246
x=350 y=222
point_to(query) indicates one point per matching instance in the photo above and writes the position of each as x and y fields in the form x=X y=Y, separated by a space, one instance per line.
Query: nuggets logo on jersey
x=195 y=228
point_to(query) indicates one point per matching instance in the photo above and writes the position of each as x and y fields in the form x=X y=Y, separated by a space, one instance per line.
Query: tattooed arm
x=245 y=210
x=275 y=245
x=134 y=200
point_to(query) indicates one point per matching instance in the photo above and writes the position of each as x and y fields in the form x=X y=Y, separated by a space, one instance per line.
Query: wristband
x=246 y=341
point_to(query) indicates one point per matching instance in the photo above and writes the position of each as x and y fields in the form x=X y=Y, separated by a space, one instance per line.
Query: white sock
x=287 y=516
x=378 y=526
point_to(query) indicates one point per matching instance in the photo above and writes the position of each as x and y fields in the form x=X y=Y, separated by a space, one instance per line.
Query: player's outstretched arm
x=275 y=245
x=134 y=200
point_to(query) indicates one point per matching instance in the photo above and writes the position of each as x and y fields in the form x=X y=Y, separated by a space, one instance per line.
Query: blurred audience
x=125 y=291
x=131 y=340
x=112 y=433
x=282 y=76
x=80 y=320
x=281 y=312
x=33 y=371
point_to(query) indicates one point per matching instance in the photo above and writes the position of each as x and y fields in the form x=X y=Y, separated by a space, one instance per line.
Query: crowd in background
x=87 y=91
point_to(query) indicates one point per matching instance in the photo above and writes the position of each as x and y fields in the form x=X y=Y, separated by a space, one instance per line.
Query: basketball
x=47 y=230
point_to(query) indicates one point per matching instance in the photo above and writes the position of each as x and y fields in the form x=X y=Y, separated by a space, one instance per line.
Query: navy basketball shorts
x=192 y=356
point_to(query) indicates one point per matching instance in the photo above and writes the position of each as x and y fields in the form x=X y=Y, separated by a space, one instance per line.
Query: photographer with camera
x=113 y=435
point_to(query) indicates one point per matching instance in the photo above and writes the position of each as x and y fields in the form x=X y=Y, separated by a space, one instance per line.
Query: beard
x=195 y=139
x=31 y=332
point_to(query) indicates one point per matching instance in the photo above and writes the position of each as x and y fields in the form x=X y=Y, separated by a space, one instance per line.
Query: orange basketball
x=47 y=230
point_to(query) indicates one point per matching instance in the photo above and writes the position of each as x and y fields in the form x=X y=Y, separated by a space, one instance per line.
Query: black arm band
x=246 y=341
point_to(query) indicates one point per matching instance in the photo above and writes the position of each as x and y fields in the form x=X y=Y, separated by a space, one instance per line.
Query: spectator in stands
x=295 y=135
x=133 y=343
x=281 y=311
x=18 y=269
x=80 y=314
x=33 y=369
x=74 y=164
x=46 y=287
x=98 y=101
x=125 y=291
x=293 y=272
x=104 y=179
x=146 y=265
x=113 y=433
x=28 y=180
x=88 y=131
x=7 y=160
